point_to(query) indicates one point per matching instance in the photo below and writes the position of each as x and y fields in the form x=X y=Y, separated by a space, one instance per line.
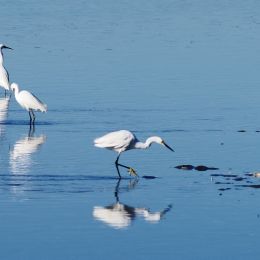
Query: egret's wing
x=31 y=101
x=118 y=139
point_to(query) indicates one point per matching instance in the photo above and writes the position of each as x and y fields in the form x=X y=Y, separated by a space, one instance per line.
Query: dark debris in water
x=185 y=167
x=223 y=189
x=255 y=186
x=239 y=179
x=197 y=168
x=241 y=131
x=205 y=168
x=149 y=177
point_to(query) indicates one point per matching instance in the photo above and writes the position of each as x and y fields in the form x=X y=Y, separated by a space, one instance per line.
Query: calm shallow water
x=183 y=70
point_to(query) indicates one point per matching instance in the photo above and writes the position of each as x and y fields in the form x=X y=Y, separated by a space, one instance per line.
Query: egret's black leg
x=116 y=163
x=30 y=116
x=131 y=170
x=33 y=116
x=31 y=130
x=117 y=190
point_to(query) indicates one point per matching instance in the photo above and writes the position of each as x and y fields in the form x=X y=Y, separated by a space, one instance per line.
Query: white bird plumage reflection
x=28 y=101
x=4 y=76
x=119 y=215
x=123 y=140
x=4 y=104
x=20 y=155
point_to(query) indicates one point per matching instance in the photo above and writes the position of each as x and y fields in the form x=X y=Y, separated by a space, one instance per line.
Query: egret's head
x=2 y=46
x=166 y=145
x=158 y=140
x=14 y=86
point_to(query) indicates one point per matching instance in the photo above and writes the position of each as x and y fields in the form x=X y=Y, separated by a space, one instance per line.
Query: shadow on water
x=119 y=215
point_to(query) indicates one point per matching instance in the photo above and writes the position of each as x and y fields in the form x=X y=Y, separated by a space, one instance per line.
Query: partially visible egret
x=28 y=101
x=123 y=140
x=4 y=76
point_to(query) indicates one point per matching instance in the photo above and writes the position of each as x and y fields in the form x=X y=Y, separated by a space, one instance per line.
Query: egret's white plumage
x=124 y=140
x=28 y=101
x=4 y=76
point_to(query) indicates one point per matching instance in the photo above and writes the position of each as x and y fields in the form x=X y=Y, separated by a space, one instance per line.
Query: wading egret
x=4 y=77
x=123 y=140
x=28 y=101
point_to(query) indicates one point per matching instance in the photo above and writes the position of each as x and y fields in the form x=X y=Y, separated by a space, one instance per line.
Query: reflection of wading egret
x=4 y=77
x=28 y=101
x=4 y=103
x=20 y=155
x=124 y=140
x=119 y=215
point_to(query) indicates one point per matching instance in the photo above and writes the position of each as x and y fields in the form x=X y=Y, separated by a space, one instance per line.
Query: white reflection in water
x=21 y=155
x=119 y=215
x=4 y=104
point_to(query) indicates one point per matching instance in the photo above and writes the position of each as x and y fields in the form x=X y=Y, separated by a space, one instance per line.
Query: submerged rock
x=204 y=168
x=185 y=167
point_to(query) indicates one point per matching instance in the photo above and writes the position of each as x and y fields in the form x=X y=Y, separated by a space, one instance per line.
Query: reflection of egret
x=20 y=155
x=4 y=103
x=119 y=215
x=123 y=140
x=4 y=77
x=28 y=101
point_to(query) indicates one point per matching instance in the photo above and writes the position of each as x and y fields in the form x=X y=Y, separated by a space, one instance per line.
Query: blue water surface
x=187 y=71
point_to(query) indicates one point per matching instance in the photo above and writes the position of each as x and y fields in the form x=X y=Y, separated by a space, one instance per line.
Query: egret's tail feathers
x=97 y=142
x=45 y=108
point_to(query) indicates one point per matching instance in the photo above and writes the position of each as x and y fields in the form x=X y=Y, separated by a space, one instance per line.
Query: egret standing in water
x=28 y=101
x=123 y=140
x=4 y=77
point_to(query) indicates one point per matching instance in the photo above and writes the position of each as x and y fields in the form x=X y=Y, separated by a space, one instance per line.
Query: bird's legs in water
x=32 y=116
x=31 y=130
x=131 y=185
x=130 y=170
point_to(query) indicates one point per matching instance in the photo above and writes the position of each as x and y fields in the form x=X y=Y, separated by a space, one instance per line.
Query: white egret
x=4 y=76
x=28 y=101
x=123 y=140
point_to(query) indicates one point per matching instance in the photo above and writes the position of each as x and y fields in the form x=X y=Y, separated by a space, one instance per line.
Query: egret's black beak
x=166 y=145
x=6 y=47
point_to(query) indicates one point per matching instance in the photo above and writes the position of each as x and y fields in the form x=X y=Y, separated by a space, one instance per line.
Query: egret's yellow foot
x=132 y=172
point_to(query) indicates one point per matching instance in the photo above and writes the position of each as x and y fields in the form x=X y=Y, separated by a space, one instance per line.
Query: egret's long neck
x=148 y=142
x=16 y=91
x=1 y=56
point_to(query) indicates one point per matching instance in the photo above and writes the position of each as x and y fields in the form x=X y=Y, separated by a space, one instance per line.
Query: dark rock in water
x=185 y=167
x=255 y=186
x=239 y=179
x=191 y=167
x=204 y=168
x=223 y=189
x=223 y=175
x=241 y=131
x=149 y=177
x=257 y=131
